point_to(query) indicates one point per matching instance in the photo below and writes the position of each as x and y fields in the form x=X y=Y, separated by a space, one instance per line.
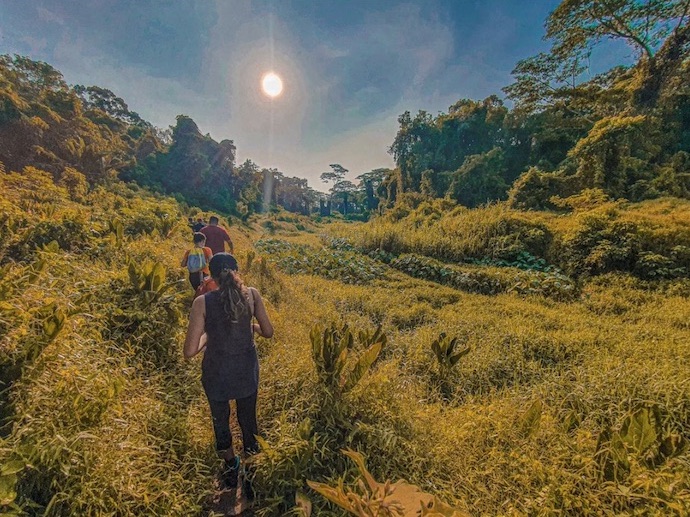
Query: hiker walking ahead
x=198 y=225
x=197 y=260
x=216 y=237
x=221 y=324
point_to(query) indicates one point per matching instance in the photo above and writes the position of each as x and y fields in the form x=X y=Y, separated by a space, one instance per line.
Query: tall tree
x=371 y=182
x=335 y=175
x=344 y=189
x=657 y=30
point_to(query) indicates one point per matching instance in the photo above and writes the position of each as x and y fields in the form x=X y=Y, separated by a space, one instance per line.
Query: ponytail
x=233 y=294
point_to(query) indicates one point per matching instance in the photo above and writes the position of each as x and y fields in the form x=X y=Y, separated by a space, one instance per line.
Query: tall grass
x=563 y=405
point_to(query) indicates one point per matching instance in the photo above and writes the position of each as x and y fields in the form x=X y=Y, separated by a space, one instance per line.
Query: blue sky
x=349 y=67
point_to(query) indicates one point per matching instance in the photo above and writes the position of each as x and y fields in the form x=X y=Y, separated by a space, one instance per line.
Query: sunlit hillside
x=508 y=376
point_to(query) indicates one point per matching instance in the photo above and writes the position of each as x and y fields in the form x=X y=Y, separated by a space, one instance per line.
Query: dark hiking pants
x=246 y=416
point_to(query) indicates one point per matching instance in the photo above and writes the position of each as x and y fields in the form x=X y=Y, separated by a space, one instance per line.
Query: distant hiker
x=216 y=237
x=220 y=323
x=198 y=225
x=197 y=259
x=190 y=223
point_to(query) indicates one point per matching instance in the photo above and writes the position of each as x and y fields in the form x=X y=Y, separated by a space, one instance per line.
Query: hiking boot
x=231 y=472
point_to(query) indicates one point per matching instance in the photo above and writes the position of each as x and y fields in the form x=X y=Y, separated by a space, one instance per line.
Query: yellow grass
x=108 y=419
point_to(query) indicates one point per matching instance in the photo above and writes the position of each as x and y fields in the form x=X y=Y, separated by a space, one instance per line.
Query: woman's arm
x=184 y=259
x=195 y=330
x=265 y=329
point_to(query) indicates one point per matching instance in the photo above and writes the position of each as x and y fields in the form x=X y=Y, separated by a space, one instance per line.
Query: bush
x=347 y=267
x=494 y=232
x=70 y=234
x=606 y=240
x=485 y=280
x=534 y=189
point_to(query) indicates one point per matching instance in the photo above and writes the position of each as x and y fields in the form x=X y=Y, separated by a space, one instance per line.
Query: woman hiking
x=220 y=323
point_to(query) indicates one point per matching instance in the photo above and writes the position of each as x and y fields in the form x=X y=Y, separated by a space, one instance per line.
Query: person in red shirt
x=216 y=237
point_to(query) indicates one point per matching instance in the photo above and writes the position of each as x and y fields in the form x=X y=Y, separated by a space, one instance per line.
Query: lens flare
x=272 y=84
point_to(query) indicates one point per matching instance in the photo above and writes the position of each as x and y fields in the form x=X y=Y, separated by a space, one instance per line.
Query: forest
x=498 y=325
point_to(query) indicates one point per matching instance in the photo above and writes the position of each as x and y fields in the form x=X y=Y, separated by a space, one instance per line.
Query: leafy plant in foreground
x=117 y=229
x=374 y=499
x=148 y=279
x=641 y=436
x=8 y=480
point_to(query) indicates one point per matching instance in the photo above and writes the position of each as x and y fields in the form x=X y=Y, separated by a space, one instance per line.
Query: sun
x=272 y=84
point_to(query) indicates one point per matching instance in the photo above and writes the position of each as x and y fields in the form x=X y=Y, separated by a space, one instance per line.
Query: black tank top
x=230 y=368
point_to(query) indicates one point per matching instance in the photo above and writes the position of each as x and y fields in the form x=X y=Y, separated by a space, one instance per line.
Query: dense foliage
x=48 y=124
x=451 y=350
x=625 y=131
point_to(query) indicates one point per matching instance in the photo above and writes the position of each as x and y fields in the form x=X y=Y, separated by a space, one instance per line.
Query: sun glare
x=272 y=84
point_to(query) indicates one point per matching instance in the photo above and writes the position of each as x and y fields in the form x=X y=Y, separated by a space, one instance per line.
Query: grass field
x=574 y=397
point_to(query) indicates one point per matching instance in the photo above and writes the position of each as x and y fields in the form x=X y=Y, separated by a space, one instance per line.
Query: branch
x=624 y=31
x=567 y=108
x=682 y=16
x=630 y=34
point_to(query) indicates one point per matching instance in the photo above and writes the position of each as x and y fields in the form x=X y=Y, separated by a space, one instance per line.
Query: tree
x=97 y=98
x=427 y=149
x=615 y=154
x=370 y=182
x=479 y=179
x=412 y=147
x=344 y=189
x=335 y=175
x=199 y=168
x=657 y=30
x=545 y=80
x=42 y=124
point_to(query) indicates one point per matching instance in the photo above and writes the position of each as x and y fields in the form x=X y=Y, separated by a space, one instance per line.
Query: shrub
x=494 y=231
x=484 y=280
x=535 y=189
x=348 y=267
x=605 y=240
x=70 y=234
x=75 y=183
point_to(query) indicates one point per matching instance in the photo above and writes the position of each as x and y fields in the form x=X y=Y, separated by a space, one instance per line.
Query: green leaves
x=347 y=266
x=529 y=421
x=362 y=366
x=8 y=481
x=148 y=279
x=331 y=349
x=118 y=230
x=444 y=349
x=53 y=321
x=447 y=355
x=642 y=437
x=638 y=431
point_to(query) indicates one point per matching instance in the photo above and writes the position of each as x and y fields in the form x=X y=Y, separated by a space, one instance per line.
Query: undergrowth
x=501 y=387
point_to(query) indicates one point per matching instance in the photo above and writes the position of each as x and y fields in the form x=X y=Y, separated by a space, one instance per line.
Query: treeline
x=624 y=132
x=47 y=124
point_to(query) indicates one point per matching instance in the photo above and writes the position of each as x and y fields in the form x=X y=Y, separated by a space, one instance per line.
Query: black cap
x=222 y=262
